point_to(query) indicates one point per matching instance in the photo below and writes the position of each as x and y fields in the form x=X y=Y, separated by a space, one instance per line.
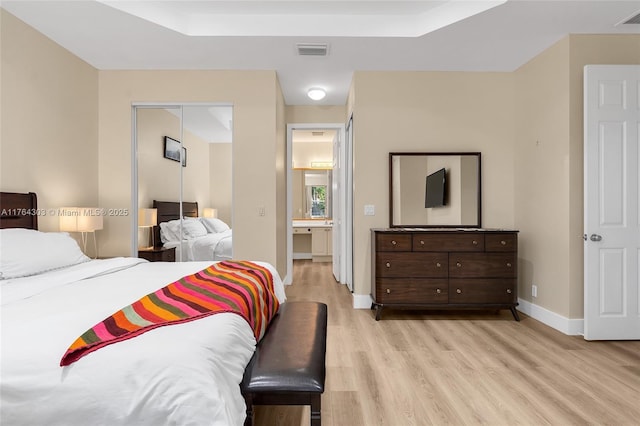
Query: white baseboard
x=362 y=301
x=571 y=327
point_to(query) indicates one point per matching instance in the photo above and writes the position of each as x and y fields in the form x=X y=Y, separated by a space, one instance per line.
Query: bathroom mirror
x=311 y=190
x=435 y=190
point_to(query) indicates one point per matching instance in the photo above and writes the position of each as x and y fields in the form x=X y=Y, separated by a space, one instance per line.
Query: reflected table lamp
x=84 y=220
x=210 y=212
x=148 y=218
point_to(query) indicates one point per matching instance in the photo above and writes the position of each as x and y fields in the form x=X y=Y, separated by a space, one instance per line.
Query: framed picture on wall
x=172 y=150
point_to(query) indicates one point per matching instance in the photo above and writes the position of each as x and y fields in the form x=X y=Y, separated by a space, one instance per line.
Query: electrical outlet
x=261 y=211
x=534 y=290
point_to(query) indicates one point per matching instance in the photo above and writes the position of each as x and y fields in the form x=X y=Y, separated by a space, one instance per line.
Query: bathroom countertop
x=312 y=223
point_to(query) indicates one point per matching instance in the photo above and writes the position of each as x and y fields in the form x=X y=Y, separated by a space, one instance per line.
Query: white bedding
x=184 y=374
x=214 y=246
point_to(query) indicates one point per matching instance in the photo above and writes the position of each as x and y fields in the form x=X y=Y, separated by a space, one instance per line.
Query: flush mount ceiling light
x=316 y=93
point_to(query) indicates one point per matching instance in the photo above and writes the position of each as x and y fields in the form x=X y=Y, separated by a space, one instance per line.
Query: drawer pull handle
x=458 y=291
x=421 y=242
x=475 y=243
x=438 y=291
x=393 y=242
x=388 y=265
x=458 y=264
x=508 y=291
x=438 y=264
x=508 y=264
x=388 y=291
x=503 y=242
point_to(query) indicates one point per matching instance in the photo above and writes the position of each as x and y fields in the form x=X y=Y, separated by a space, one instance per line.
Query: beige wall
x=304 y=153
x=297 y=114
x=430 y=112
x=542 y=178
x=49 y=116
x=221 y=160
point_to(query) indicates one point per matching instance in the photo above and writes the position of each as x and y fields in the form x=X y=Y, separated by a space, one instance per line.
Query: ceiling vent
x=312 y=49
x=635 y=19
x=317 y=133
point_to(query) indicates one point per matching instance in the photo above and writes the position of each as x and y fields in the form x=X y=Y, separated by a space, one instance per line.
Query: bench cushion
x=291 y=355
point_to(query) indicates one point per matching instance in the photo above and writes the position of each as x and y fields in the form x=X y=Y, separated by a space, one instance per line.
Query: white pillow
x=192 y=228
x=214 y=225
x=170 y=231
x=25 y=252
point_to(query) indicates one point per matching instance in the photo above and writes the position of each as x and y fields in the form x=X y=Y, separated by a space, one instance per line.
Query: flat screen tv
x=436 y=189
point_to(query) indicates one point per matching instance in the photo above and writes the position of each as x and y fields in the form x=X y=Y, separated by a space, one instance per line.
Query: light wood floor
x=417 y=368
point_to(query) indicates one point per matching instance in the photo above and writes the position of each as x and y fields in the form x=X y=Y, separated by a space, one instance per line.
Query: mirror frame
x=479 y=192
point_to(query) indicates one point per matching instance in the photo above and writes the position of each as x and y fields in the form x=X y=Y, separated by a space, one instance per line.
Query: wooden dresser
x=440 y=268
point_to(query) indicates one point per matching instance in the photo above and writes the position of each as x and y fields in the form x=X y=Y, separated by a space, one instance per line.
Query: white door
x=347 y=209
x=336 y=214
x=612 y=214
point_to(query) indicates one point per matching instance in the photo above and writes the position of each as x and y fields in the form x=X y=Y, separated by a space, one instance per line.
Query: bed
x=182 y=374
x=200 y=239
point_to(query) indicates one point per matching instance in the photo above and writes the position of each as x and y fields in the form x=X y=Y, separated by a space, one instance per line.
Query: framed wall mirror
x=311 y=191
x=435 y=190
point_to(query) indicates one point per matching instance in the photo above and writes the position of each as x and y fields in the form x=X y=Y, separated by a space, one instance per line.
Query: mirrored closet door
x=183 y=182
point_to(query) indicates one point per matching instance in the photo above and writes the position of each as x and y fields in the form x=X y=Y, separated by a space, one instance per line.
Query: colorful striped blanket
x=241 y=287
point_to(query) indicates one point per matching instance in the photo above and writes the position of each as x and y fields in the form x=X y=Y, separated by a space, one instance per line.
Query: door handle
x=595 y=237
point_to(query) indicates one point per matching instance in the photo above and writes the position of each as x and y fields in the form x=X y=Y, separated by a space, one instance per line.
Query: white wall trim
x=362 y=301
x=571 y=327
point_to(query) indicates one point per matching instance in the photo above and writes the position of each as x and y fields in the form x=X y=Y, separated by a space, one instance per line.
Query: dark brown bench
x=288 y=366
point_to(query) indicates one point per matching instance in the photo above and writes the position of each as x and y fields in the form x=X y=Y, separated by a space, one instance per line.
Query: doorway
x=315 y=193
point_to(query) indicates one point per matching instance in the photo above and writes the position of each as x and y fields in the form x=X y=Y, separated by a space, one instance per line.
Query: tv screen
x=436 y=189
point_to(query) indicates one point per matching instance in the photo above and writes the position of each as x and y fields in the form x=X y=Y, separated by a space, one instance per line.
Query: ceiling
x=448 y=35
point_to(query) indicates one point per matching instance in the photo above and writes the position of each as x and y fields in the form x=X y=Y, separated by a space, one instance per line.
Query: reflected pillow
x=193 y=228
x=26 y=252
x=214 y=225
x=170 y=231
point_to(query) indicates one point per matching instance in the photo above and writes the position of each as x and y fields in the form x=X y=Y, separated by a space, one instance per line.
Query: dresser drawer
x=448 y=242
x=412 y=290
x=408 y=264
x=482 y=265
x=501 y=242
x=393 y=242
x=479 y=290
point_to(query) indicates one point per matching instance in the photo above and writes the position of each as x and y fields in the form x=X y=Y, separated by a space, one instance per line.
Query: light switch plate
x=369 y=210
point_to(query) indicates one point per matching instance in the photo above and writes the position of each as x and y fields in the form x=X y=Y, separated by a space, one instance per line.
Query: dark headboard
x=18 y=210
x=170 y=210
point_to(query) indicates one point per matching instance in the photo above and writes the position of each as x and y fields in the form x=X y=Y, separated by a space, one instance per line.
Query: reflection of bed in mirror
x=194 y=237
